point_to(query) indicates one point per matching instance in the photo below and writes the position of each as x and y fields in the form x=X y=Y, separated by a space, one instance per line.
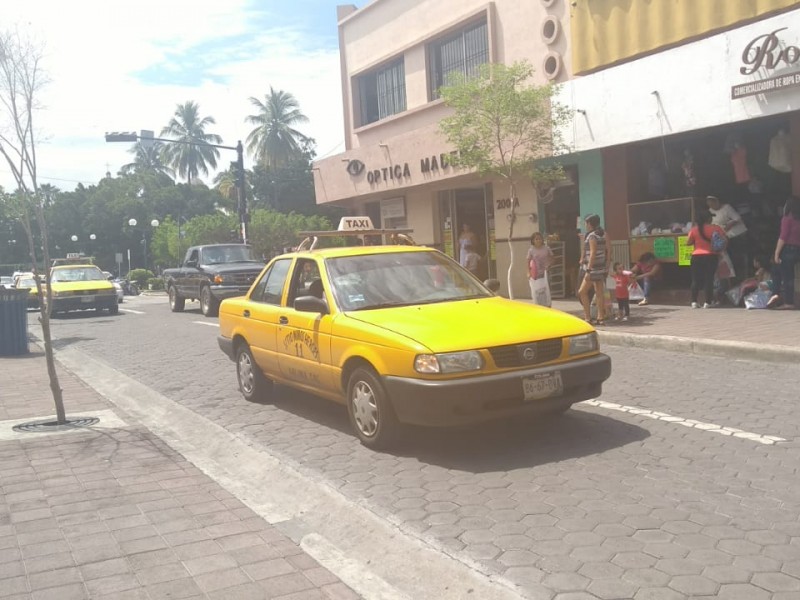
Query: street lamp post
x=244 y=217
x=132 y=223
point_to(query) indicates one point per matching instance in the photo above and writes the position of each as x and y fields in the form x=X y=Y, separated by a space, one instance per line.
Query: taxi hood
x=473 y=324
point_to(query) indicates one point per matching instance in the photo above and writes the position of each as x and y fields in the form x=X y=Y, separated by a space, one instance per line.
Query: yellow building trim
x=604 y=32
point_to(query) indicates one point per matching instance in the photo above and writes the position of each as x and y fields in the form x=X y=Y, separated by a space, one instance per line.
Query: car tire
x=253 y=385
x=370 y=410
x=209 y=305
x=176 y=302
x=113 y=309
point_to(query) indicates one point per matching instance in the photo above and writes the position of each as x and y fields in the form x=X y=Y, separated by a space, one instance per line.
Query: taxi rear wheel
x=252 y=382
x=370 y=410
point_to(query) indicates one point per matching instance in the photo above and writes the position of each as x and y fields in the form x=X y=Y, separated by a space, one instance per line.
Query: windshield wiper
x=385 y=305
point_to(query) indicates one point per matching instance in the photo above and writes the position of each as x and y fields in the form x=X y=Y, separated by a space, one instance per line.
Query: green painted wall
x=590 y=181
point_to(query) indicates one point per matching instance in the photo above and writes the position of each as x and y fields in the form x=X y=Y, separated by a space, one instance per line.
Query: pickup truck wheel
x=176 y=303
x=370 y=410
x=252 y=382
x=209 y=305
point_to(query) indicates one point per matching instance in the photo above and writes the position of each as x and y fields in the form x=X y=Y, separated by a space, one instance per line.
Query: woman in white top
x=724 y=215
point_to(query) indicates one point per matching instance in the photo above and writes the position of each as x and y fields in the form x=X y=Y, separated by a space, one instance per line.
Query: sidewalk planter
x=13 y=322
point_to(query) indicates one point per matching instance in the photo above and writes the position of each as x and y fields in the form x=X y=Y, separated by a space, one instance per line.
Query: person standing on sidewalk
x=724 y=215
x=539 y=259
x=621 y=293
x=787 y=253
x=596 y=257
x=704 y=237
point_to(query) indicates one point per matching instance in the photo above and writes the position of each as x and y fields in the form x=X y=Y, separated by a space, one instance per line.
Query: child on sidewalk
x=622 y=280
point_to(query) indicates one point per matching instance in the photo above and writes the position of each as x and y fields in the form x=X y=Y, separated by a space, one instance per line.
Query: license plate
x=543 y=386
x=87 y=299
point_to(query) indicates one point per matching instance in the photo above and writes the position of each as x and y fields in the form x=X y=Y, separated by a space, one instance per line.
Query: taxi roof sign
x=355 y=224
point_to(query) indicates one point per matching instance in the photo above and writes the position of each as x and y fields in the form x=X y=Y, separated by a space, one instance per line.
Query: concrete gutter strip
x=723 y=348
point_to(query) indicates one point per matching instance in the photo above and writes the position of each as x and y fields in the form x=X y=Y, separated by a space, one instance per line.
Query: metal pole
x=243 y=216
x=144 y=242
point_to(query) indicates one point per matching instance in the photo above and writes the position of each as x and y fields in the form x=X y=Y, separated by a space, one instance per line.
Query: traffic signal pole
x=244 y=217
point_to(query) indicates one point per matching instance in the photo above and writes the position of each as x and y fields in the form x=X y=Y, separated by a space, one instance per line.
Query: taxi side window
x=306 y=274
x=270 y=288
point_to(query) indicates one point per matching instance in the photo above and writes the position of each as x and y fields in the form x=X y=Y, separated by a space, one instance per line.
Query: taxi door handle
x=283 y=320
x=246 y=314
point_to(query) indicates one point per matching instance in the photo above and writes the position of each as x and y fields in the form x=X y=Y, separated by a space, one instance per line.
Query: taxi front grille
x=521 y=355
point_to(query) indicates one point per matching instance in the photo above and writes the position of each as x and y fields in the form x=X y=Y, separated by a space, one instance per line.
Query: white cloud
x=95 y=51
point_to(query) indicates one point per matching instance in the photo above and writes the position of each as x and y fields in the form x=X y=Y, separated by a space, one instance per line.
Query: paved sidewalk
x=732 y=332
x=113 y=512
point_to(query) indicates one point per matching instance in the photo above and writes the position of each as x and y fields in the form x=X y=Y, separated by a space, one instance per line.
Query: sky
x=117 y=65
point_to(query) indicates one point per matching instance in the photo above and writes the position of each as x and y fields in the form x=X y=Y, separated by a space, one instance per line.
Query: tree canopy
x=274 y=142
x=190 y=156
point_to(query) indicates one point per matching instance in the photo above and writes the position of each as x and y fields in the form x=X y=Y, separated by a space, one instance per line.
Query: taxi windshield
x=399 y=279
x=78 y=274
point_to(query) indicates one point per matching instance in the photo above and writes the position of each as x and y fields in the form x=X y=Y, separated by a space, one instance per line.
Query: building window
x=462 y=52
x=382 y=93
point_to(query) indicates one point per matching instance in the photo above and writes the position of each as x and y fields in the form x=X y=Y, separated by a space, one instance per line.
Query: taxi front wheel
x=252 y=382
x=370 y=410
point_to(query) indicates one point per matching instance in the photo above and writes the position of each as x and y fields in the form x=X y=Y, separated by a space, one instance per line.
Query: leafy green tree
x=148 y=158
x=502 y=123
x=275 y=141
x=190 y=157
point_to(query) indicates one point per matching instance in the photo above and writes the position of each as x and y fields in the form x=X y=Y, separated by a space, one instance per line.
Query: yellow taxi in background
x=404 y=334
x=27 y=281
x=81 y=287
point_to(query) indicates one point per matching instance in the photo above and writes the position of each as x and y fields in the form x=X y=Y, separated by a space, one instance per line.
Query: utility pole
x=244 y=216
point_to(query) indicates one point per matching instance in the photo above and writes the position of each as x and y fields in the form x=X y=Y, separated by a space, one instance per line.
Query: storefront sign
x=393 y=208
x=664 y=247
x=684 y=251
x=767 y=53
x=427 y=166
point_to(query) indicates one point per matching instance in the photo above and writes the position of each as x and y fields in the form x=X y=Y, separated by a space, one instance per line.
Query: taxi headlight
x=581 y=344
x=449 y=362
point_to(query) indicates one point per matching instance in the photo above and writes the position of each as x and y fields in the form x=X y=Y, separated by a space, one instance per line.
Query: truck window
x=269 y=289
x=192 y=255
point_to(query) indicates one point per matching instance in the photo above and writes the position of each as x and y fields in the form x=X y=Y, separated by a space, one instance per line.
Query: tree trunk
x=512 y=217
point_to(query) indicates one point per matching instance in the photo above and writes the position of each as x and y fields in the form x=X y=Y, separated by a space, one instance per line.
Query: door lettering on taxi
x=300 y=375
x=297 y=341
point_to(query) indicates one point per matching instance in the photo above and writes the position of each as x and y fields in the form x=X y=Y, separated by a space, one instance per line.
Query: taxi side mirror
x=492 y=284
x=311 y=304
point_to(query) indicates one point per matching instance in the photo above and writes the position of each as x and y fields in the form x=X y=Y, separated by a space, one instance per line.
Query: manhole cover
x=50 y=426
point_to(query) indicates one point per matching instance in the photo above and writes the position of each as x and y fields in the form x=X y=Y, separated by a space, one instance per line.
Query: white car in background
x=117 y=287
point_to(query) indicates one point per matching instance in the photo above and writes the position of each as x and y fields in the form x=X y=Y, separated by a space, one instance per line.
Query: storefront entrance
x=562 y=224
x=466 y=214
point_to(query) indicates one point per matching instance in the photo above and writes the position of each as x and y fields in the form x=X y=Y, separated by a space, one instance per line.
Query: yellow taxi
x=28 y=281
x=81 y=287
x=404 y=334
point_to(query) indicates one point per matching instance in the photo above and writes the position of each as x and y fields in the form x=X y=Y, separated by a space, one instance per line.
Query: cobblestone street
x=680 y=482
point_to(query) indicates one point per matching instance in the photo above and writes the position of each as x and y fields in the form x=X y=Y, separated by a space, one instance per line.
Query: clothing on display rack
x=741 y=172
x=780 y=152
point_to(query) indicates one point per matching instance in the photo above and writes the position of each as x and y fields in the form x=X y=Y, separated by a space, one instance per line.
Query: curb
x=724 y=348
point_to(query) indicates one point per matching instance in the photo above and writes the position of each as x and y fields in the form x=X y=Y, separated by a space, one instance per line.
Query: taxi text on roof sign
x=355 y=224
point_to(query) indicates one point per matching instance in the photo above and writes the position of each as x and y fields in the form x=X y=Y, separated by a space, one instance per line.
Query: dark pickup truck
x=210 y=274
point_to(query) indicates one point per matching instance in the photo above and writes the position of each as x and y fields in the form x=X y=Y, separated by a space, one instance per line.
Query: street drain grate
x=51 y=426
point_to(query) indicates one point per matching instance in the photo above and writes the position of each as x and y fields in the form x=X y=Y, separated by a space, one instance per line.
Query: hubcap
x=204 y=299
x=246 y=378
x=365 y=409
x=172 y=297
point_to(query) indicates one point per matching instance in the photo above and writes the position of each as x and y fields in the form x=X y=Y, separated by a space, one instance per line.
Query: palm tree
x=274 y=141
x=149 y=158
x=193 y=155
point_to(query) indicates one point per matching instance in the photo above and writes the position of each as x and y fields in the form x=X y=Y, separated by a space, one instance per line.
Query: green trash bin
x=13 y=321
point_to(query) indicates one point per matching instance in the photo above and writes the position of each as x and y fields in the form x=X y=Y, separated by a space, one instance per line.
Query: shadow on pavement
x=490 y=446
x=520 y=443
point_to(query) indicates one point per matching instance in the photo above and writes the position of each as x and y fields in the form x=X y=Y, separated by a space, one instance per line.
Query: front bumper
x=84 y=302
x=220 y=292
x=480 y=398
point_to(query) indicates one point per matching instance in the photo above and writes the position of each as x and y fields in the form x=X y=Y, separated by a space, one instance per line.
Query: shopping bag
x=635 y=292
x=725 y=268
x=757 y=299
x=541 y=292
